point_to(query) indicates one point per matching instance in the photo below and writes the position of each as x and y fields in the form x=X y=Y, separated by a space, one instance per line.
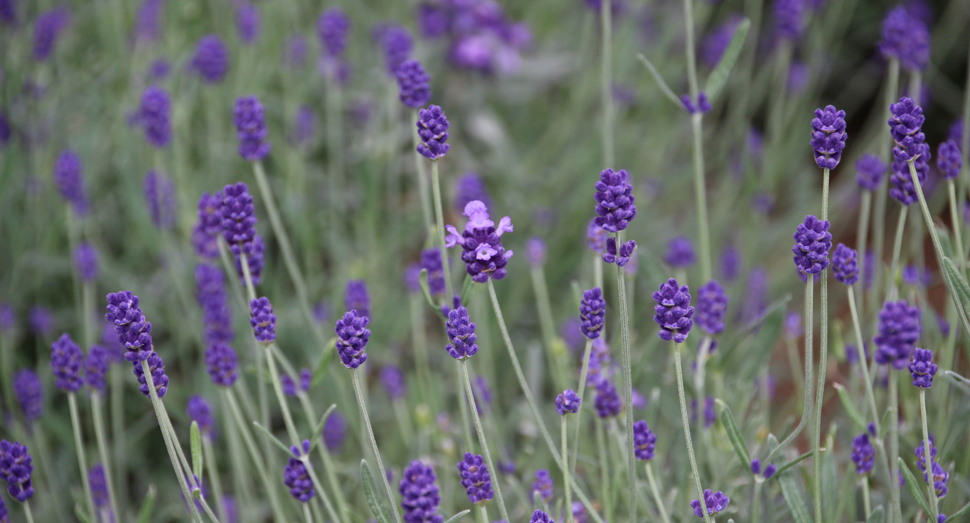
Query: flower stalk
x=822 y=364
x=98 y=422
x=685 y=418
x=627 y=384
x=463 y=365
x=81 y=459
x=373 y=442
x=930 y=489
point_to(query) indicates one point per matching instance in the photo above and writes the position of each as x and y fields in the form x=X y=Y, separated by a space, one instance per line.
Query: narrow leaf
x=958 y=285
x=958 y=380
x=423 y=281
x=719 y=76
x=794 y=499
x=850 y=407
x=458 y=516
x=315 y=437
x=466 y=287
x=195 y=445
x=914 y=487
x=731 y=427
x=320 y=371
x=878 y=515
x=82 y=516
x=660 y=80
x=370 y=492
x=792 y=463
x=147 y=506
x=944 y=235
x=957 y=514
x=272 y=438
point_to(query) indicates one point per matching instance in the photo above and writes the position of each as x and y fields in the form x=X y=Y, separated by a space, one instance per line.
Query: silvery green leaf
x=794 y=499
x=374 y=501
x=719 y=76
x=734 y=434
x=913 y=486
x=195 y=446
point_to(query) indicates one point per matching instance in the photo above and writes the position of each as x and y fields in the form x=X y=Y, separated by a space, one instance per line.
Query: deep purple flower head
x=15 y=468
x=99 y=487
x=297 y=478
x=209 y=225
x=680 y=252
x=247 y=23
x=357 y=298
x=262 y=319
x=714 y=501
x=221 y=363
x=133 y=330
x=535 y=251
x=475 y=478
x=431 y=261
x=396 y=43
x=622 y=256
x=673 y=311
x=394 y=382
x=922 y=368
x=770 y=470
x=905 y=38
x=789 y=18
x=845 y=265
x=46 y=30
x=334 y=431
x=41 y=321
x=461 y=332
x=86 y=262
x=812 y=243
x=96 y=367
x=607 y=402
x=592 y=311
x=413 y=83
x=211 y=296
x=419 y=493
x=899 y=328
x=568 y=402
x=30 y=394
x=716 y=42
x=468 y=188
x=198 y=410
x=542 y=487
x=211 y=59
x=644 y=441
x=870 y=171
x=250 y=128
x=352 y=337
x=949 y=160
x=828 y=136
x=160 y=199
x=711 y=306
x=906 y=126
x=433 y=132
x=238 y=218
x=730 y=263
x=70 y=181
x=154 y=115
x=157 y=368
x=863 y=454
x=332 y=28
x=481 y=242
x=615 y=203
x=147 y=22
x=902 y=188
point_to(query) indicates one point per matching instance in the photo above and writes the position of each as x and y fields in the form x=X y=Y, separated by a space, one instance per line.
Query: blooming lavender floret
x=357 y=298
x=154 y=115
x=468 y=188
x=332 y=28
x=238 y=218
x=30 y=394
x=86 y=262
x=352 y=337
x=133 y=330
x=828 y=136
x=906 y=125
x=542 y=487
x=70 y=182
x=905 y=38
x=297 y=478
x=247 y=23
x=394 y=382
x=607 y=401
x=475 y=478
x=845 y=265
x=461 y=332
x=625 y=254
x=615 y=203
x=250 y=125
x=863 y=454
x=812 y=244
x=211 y=59
x=644 y=441
x=922 y=368
x=711 y=306
x=540 y=516
x=157 y=368
x=899 y=328
x=431 y=261
x=419 y=493
x=15 y=468
x=160 y=199
x=673 y=311
x=870 y=171
x=414 y=84
x=198 y=410
x=568 y=402
x=940 y=479
x=714 y=501
x=96 y=367
x=949 y=159
x=481 y=242
x=263 y=320
x=433 y=132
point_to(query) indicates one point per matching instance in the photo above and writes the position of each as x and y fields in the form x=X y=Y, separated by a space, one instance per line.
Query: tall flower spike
x=221 y=364
x=592 y=311
x=357 y=298
x=949 y=159
x=160 y=199
x=475 y=478
x=461 y=332
x=615 y=203
x=431 y=261
x=644 y=441
x=211 y=296
x=542 y=486
x=680 y=252
x=247 y=23
x=250 y=125
x=905 y=38
x=133 y=330
x=596 y=237
x=70 y=181
x=711 y=306
x=238 y=218
x=334 y=431
x=99 y=488
x=433 y=132
x=297 y=478
x=154 y=115
x=263 y=320
x=540 y=516
x=714 y=501
x=906 y=128
x=352 y=337
x=812 y=244
x=828 y=136
x=211 y=59
x=419 y=493
x=870 y=171
x=899 y=328
x=30 y=394
x=332 y=28
x=413 y=84
x=481 y=242
x=845 y=265
x=96 y=367
x=396 y=44
x=198 y=410
x=790 y=18
x=922 y=368
x=673 y=311
x=15 y=468
x=157 y=367
x=607 y=402
x=568 y=402
x=86 y=262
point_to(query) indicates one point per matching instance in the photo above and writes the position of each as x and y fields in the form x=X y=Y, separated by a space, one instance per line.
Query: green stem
x=879 y=214
x=565 y=473
x=328 y=465
x=463 y=364
x=28 y=513
x=547 y=326
x=930 y=490
x=864 y=363
x=81 y=459
x=210 y=462
x=700 y=193
x=440 y=225
x=306 y=513
x=685 y=419
x=606 y=79
x=656 y=493
x=605 y=491
x=419 y=340
x=894 y=444
x=627 y=385
x=305 y=458
x=955 y=218
x=421 y=175
x=118 y=432
x=862 y=235
x=373 y=442
x=795 y=365
x=582 y=391
x=463 y=408
x=243 y=430
x=756 y=501
x=891 y=289
x=866 y=498
x=822 y=365
x=98 y=421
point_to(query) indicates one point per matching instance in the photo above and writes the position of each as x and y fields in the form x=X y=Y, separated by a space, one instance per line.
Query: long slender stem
x=879 y=210
x=894 y=444
x=897 y=246
x=210 y=462
x=27 y=513
x=656 y=493
x=822 y=365
x=582 y=391
x=686 y=421
x=606 y=79
x=98 y=420
x=955 y=218
x=565 y=472
x=118 y=439
x=756 y=500
x=864 y=363
x=866 y=498
x=305 y=458
x=930 y=489
x=463 y=364
x=700 y=193
x=606 y=492
x=81 y=459
x=547 y=325
x=463 y=408
x=328 y=465
x=306 y=513
x=421 y=175
x=373 y=442
x=440 y=226
x=243 y=429
x=627 y=385
x=419 y=342
x=862 y=236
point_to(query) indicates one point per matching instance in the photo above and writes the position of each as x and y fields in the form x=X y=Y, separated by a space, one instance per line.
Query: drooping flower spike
x=482 y=249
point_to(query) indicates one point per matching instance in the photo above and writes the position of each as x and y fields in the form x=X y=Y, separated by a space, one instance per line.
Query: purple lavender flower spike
x=542 y=487
x=433 y=132
x=940 y=479
x=596 y=237
x=251 y=128
x=157 y=367
x=133 y=330
x=211 y=296
x=468 y=188
x=238 y=218
x=540 y=516
x=789 y=18
x=413 y=84
x=160 y=199
x=535 y=251
x=154 y=114
x=431 y=261
x=99 y=488
x=906 y=127
x=475 y=478
x=592 y=311
x=394 y=382
x=870 y=171
x=673 y=311
x=70 y=181
x=419 y=493
x=304 y=127
x=922 y=368
x=481 y=242
x=812 y=244
x=621 y=258
x=247 y=23
x=461 y=332
x=30 y=394
x=288 y=385
x=297 y=478
x=86 y=262
x=352 y=338
x=256 y=259
x=568 y=402
x=96 y=367
x=714 y=501
x=828 y=136
x=607 y=402
x=730 y=263
x=357 y=298
x=332 y=28
x=899 y=328
x=680 y=252
x=198 y=410
x=905 y=38
x=263 y=320
x=396 y=44
x=644 y=441
x=711 y=306
x=949 y=160
x=295 y=51
x=46 y=30
x=8 y=16
x=41 y=321
x=148 y=25
x=334 y=431
x=15 y=468
x=845 y=265
x=211 y=59
x=615 y=203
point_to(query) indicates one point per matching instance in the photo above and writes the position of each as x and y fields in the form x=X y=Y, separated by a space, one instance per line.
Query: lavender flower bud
x=870 y=171
x=703 y=105
x=133 y=330
x=96 y=367
x=622 y=257
x=394 y=382
x=297 y=478
x=352 y=337
x=332 y=28
x=160 y=197
x=680 y=252
x=289 y=386
x=475 y=478
x=592 y=311
x=905 y=38
x=770 y=470
x=70 y=182
x=86 y=262
x=615 y=203
x=157 y=367
x=845 y=265
x=334 y=431
x=154 y=114
x=542 y=486
x=828 y=136
x=15 y=468
x=431 y=261
x=922 y=368
x=607 y=402
x=644 y=441
x=413 y=84
x=357 y=298
x=673 y=311
x=221 y=364
x=461 y=332
x=711 y=306
x=899 y=328
x=211 y=59
x=238 y=218
x=468 y=188
x=949 y=160
x=812 y=244
x=263 y=320
x=250 y=128
x=481 y=242
x=247 y=23
x=540 y=516
x=714 y=501
x=568 y=402
x=433 y=132
x=198 y=410
x=30 y=394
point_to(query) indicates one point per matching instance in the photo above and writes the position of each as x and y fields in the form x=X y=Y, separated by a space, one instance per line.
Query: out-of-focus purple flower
x=468 y=188
x=702 y=105
x=592 y=311
x=905 y=124
x=596 y=237
x=542 y=487
x=475 y=478
x=208 y=226
x=617 y=7
x=221 y=363
x=250 y=128
x=356 y=297
x=899 y=328
x=229 y=508
x=568 y=402
x=730 y=263
x=949 y=159
x=157 y=368
x=8 y=16
x=304 y=126
x=461 y=333
x=922 y=368
x=211 y=59
x=8 y=318
x=906 y=39
x=607 y=402
x=352 y=338
x=393 y=381
x=845 y=265
x=863 y=454
x=716 y=42
x=852 y=353
x=211 y=296
x=535 y=251
x=413 y=84
x=15 y=468
x=828 y=136
x=148 y=24
x=396 y=43
x=572 y=334
x=793 y=325
x=615 y=203
x=41 y=320
x=96 y=367
x=710 y=415
x=419 y=493
x=263 y=320
x=334 y=431
x=481 y=243
x=30 y=394
x=160 y=199
x=154 y=114
x=159 y=69
x=296 y=51
x=433 y=132
x=789 y=18
x=714 y=501
x=940 y=479
x=99 y=488
x=921 y=452
x=256 y=258
x=798 y=76
x=756 y=298
x=431 y=261
x=644 y=441
x=6 y=132
x=711 y=306
x=870 y=171
x=297 y=478
x=673 y=311
x=86 y=262
x=198 y=410
x=869 y=265
x=680 y=252
x=332 y=29
x=812 y=243
x=70 y=181
x=247 y=23
x=132 y=328
x=47 y=28
x=412 y=277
